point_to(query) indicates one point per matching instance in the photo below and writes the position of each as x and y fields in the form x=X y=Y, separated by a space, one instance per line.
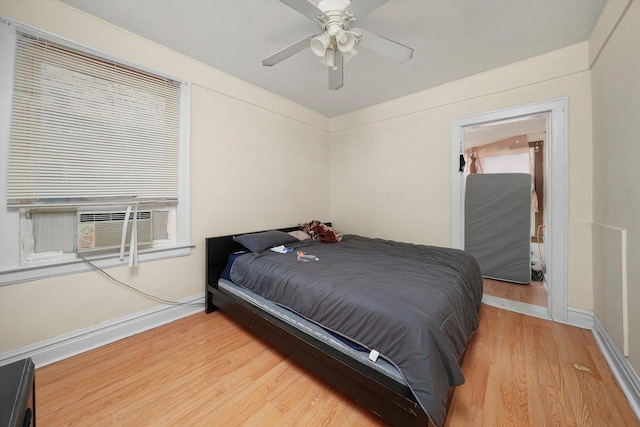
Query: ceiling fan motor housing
x=332 y=7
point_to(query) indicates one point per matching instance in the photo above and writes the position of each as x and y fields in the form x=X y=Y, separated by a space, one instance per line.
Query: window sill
x=33 y=271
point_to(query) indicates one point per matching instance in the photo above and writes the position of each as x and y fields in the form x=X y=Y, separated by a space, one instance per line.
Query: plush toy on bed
x=320 y=231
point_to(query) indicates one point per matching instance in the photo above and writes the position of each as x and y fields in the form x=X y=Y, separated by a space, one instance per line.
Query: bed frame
x=389 y=399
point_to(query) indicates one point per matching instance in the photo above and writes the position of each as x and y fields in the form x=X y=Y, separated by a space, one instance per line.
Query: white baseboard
x=580 y=318
x=518 y=307
x=620 y=366
x=61 y=347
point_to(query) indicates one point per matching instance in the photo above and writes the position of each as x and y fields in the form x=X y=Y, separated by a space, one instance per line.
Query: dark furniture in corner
x=18 y=394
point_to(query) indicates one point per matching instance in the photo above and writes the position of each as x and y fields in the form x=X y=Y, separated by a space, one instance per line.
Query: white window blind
x=87 y=130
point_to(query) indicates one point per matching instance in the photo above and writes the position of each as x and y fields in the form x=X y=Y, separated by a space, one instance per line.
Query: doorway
x=555 y=188
x=512 y=146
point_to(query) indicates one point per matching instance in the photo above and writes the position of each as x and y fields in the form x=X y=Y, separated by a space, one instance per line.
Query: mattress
x=498 y=224
x=416 y=305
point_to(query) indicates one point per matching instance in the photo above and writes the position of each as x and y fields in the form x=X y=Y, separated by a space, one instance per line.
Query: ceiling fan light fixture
x=329 y=58
x=346 y=40
x=320 y=43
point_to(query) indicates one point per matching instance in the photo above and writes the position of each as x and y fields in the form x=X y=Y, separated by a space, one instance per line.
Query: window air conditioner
x=102 y=230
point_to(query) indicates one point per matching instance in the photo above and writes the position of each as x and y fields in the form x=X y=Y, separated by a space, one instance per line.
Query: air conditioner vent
x=102 y=230
x=110 y=216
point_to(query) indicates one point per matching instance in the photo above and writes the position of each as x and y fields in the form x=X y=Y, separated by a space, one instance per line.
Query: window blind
x=85 y=129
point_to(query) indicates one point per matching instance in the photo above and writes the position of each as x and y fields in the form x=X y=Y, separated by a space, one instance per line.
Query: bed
x=351 y=328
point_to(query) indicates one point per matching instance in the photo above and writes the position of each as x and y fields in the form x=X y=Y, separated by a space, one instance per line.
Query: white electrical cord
x=153 y=297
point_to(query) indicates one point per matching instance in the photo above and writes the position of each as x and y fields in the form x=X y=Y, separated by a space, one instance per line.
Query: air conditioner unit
x=102 y=230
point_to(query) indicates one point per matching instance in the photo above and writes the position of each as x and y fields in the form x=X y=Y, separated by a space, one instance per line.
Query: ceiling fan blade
x=335 y=73
x=288 y=51
x=385 y=47
x=306 y=8
x=361 y=8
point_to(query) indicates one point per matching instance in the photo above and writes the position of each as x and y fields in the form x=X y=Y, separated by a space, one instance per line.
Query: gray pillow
x=258 y=242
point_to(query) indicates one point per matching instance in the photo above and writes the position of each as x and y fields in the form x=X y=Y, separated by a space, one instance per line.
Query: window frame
x=12 y=268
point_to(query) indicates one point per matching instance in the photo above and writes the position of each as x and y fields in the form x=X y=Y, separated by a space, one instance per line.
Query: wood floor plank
x=513 y=374
x=538 y=394
x=497 y=375
x=532 y=293
x=207 y=370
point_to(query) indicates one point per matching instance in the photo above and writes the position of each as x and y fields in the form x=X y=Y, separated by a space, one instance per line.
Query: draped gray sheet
x=417 y=305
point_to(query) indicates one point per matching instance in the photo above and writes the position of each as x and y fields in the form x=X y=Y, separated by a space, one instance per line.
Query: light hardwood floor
x=205 y=370
x=533 y=293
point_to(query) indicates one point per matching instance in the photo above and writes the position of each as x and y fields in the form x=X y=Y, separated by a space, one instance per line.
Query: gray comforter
x=417 y=305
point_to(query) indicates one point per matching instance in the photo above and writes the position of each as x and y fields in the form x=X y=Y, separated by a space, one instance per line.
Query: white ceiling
x=452 y=39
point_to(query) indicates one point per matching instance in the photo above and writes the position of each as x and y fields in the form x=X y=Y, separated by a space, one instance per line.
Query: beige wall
x=250 y=170
x=616 y=129
x=390 y=163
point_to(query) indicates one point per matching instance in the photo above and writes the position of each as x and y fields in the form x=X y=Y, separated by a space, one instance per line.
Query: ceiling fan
x=336 y=43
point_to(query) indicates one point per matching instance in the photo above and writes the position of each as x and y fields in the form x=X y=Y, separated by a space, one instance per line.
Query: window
x=507 y=163
x=94 y=157
x=512 y=156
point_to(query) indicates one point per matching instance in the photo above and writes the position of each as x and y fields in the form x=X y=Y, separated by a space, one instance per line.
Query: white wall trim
x=620 y=366
x=577 y=317
x=518 y=307
x=61 y=347
x=556 y=160
x=580 y=318
x=610 y=16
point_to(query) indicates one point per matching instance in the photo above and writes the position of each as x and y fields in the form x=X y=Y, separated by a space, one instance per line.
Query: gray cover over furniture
x=498 y=225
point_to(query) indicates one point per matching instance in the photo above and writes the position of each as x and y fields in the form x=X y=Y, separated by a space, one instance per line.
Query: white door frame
x=556 y=191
